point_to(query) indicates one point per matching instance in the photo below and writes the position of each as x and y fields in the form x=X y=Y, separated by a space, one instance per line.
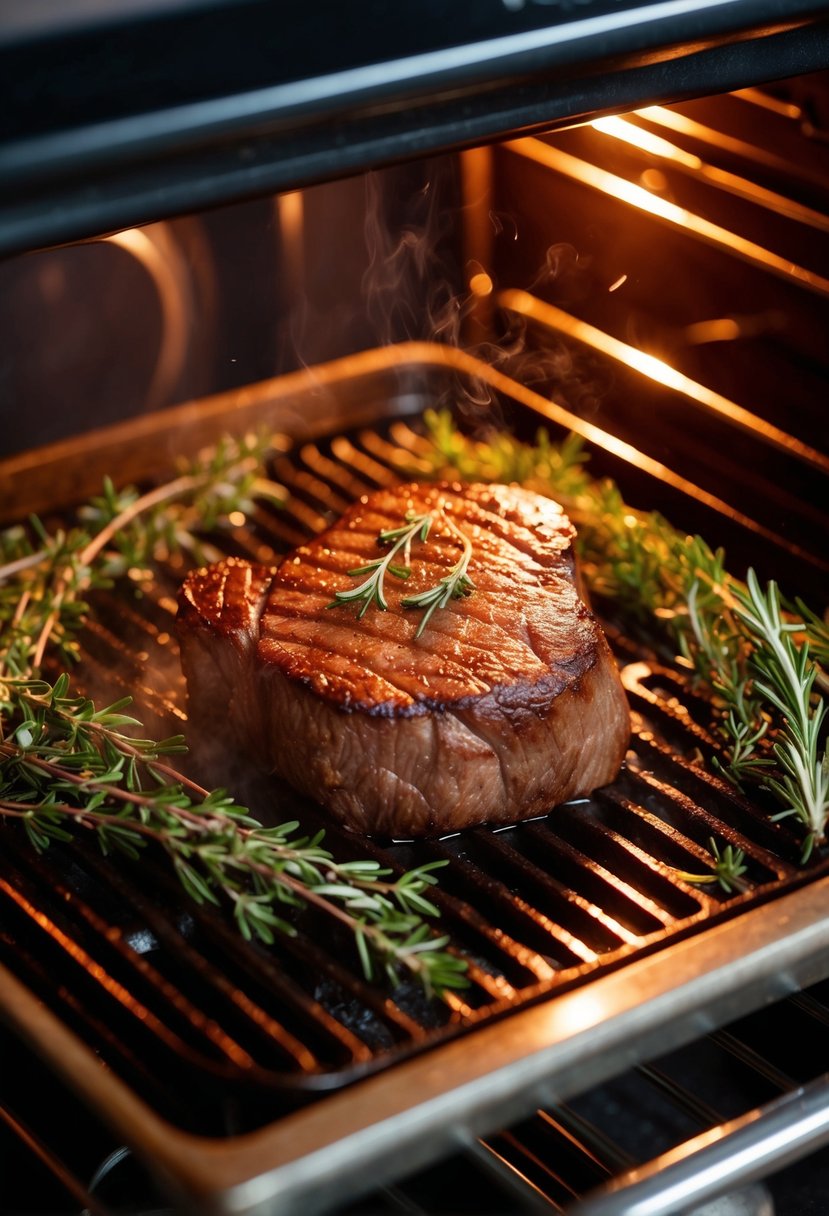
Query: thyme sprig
x=67 y=767
x=67 y=764
x=454 y=585
x=45 y=578
x=760 y=663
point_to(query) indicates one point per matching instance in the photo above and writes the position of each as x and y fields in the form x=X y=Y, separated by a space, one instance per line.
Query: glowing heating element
x=680 y=158
x=662 y=373
x=635 y=196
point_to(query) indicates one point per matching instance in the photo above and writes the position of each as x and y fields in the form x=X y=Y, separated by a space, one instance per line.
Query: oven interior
x=657 y=282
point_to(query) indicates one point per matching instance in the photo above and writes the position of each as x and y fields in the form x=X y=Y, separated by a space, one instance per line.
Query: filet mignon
x=508 y=703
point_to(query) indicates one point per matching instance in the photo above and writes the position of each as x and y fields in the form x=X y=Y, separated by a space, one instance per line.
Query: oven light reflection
x=733 y=183
x=766 y=101
x=655 y=369
x=654 y=179
x=162 y=262
x=620 y=188
x=722 y=329
x=646 y=141
x=586 y=1009
x=481 y=284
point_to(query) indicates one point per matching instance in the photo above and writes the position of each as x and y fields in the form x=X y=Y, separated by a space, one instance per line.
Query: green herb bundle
x=758 y=656
x=69 y=769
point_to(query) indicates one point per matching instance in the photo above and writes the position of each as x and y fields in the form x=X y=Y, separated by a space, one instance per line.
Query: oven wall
x=102 y=330
x=664 y=277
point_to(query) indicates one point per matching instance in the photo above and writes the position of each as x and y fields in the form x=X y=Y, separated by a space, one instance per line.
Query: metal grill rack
x=218 y=1039
x=654 y=1128
x=590 y=1150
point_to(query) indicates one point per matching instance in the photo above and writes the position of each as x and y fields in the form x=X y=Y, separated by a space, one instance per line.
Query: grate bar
x=715 y=1162
x=537 y=908
x=184 y=956
x=754 y=1060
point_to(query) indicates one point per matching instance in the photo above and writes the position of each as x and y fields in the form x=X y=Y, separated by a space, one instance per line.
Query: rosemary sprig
x=736 y=639
x=728 y=868
x=372 y=590
x=816 y=630
x=785 y=676
x=454 y=585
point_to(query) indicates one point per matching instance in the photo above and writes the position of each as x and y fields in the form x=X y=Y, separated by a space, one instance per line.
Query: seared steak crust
x=508 y=703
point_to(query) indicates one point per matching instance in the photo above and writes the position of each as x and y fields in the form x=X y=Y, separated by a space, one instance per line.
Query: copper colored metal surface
x=276 y=1079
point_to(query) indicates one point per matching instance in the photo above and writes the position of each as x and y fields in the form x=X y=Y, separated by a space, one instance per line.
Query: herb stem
x=453 y=585
x=64 y=764
x=737 y=640
x=10 y=569
x=372 y=591
x=153 y=498
x=94 y=820
x=45 y=634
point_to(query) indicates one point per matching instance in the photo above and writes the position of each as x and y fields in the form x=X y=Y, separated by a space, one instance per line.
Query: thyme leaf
x=69 y=769
x=45 y=578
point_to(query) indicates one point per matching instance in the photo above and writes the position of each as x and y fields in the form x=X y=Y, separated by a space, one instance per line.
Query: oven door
x=121 y=116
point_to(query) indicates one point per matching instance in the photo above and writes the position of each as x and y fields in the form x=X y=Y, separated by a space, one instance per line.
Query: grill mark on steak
x=409 y=689
x=508 y=702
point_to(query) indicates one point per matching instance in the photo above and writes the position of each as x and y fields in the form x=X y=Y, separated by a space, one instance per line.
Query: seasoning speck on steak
x=507 y=704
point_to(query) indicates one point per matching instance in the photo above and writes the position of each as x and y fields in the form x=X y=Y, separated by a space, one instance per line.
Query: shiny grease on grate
x=170 y=997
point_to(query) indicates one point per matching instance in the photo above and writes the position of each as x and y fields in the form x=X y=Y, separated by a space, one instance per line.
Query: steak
x=507 y=703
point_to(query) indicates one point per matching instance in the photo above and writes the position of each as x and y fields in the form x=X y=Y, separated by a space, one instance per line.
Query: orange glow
x=722 y=329
x=481 y=284
x=117 y=991
x=290 y=219
x=161 y=260
x=638 y=137
x=653 y=179
x=766 y=102
x=657 y=370
x=404 y=354
x=624 y=191
x=733 y=183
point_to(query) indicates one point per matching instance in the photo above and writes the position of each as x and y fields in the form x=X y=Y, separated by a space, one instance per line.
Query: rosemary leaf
x=454 y=585
x=372 y=591
x=758 y=658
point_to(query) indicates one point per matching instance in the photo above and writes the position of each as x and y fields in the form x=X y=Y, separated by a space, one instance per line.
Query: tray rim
x=353 y=1139
x=447 y=1093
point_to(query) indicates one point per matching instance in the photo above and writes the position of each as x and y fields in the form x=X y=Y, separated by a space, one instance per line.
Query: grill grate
x=172 y=1000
